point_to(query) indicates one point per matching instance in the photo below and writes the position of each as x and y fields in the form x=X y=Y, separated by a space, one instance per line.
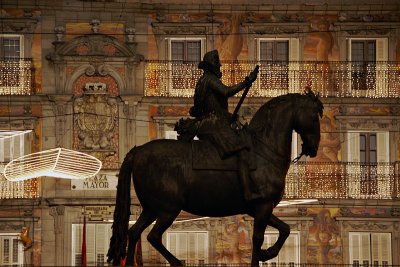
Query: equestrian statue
x=232 y=168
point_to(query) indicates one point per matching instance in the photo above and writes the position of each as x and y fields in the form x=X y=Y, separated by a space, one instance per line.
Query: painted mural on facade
x=329 y=146
x=233 y=241
x=324 y=244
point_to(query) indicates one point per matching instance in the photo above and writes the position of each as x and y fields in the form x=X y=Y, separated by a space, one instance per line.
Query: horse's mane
x=262 y=119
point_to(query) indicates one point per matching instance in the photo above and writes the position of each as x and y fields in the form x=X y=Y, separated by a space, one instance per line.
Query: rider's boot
x=244 y=176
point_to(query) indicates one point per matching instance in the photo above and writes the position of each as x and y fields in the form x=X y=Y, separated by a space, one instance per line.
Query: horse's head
x=306 y=122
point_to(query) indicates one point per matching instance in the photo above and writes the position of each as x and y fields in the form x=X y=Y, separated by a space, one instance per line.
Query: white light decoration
x=289 y=202
x=15 y=77
x=58 y=162
x=328 y=78
x=12 y=143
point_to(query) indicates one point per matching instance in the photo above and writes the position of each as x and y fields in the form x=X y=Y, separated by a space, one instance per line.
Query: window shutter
x=381 y=49
x=353 y=146
x=171 y=242
x=76 y=244
x=90 y=244
x=11 y=250
x=382 y=66
x=381 y=249
x=349 y=68
x=353 y=168
x=365 y=248
x=382 y=147
x=294 y=65
x=294 y=144
x=182 y=246
x=102 y=238
x=354 y=239
x=383 y=170
x=202 y=247
x=191 y=251
x=359 y=248
x=386 y=249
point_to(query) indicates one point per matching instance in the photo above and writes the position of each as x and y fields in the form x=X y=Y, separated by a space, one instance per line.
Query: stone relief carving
x=367 y=225
x=96 y=116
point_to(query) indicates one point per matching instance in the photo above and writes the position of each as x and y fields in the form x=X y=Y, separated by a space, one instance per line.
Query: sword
x=246 y=90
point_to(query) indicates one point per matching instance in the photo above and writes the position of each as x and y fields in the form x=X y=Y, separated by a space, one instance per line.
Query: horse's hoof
x=266 y=254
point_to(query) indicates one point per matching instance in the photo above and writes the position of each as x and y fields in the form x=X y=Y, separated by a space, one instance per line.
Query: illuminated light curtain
x=58 y=162
x=12 y=145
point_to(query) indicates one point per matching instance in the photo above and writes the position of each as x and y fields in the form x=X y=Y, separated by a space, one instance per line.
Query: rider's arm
x=227 y=91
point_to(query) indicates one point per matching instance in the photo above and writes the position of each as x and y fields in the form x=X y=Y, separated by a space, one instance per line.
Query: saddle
x=206 y=157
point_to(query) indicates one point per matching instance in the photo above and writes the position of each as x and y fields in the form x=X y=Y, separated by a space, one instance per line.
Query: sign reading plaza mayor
x=101 y=181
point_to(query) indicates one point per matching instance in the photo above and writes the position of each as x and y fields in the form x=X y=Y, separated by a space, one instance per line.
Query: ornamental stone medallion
x=96 y=124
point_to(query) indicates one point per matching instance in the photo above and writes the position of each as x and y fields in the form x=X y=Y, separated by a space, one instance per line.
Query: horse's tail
x=117 y=250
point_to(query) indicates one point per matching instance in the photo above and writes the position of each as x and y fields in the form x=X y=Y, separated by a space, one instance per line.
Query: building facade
x=100 y=77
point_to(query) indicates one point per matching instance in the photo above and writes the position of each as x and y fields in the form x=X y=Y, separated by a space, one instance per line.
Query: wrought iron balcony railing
x=343 y=180
x=329 y=78
x=16 y=76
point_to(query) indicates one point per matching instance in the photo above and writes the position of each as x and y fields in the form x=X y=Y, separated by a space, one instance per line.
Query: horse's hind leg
x=155 y=237
x=284 y=231
x=144 y=220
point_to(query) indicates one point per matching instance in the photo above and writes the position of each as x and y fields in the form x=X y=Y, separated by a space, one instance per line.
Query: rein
x=296 y=159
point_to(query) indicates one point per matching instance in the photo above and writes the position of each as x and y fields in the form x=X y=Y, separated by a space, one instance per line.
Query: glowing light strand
x=330 y=79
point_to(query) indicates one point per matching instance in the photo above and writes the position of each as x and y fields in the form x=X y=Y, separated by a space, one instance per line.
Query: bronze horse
x=165 y=183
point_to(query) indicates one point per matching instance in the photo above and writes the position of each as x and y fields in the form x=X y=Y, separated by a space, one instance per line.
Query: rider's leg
x=244 y=176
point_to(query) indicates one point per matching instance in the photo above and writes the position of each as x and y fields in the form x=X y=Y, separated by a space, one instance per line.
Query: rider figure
x=211 y=107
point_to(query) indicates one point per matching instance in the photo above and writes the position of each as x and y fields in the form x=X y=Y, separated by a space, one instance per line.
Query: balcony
x=343 y=180
x=330 y=79
x=16 y=76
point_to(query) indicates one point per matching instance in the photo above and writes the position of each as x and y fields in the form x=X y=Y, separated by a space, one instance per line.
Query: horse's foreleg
x=155 y=237
x=144 y=220
x=261 y=217
x=284 y=231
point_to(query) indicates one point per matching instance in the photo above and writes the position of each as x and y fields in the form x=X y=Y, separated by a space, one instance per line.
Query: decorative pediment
x=368 y=122
x=95 y=45
x=366 y=28
x=18 y=25
x=275 y=28
x=175 y=28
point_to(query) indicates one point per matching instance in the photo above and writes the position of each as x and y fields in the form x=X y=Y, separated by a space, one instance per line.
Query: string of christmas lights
x=342 y=180
x=330 y=79
x=15 y=77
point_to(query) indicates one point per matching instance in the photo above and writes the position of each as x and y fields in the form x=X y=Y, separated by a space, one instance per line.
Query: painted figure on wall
x=330 y=140
x=233 y=245
x=324 y=242
x=230 y=40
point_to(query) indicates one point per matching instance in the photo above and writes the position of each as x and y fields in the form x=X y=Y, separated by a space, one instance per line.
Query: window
x=363 y=53
x=368 y=170
x=276 y=54
x=368 y=64
x=279 y=64
x=97 y=243
x=277 y=51
x=186 y=50
x=185 y=55
x=190 y=247
x=10 y=46
x=171 y=135
x=15 y=72
x=368 y=162
x=290 y=252
x=370 y=249
x=11 y=250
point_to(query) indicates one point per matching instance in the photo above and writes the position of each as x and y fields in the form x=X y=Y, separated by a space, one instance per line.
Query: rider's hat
x=210 y=61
